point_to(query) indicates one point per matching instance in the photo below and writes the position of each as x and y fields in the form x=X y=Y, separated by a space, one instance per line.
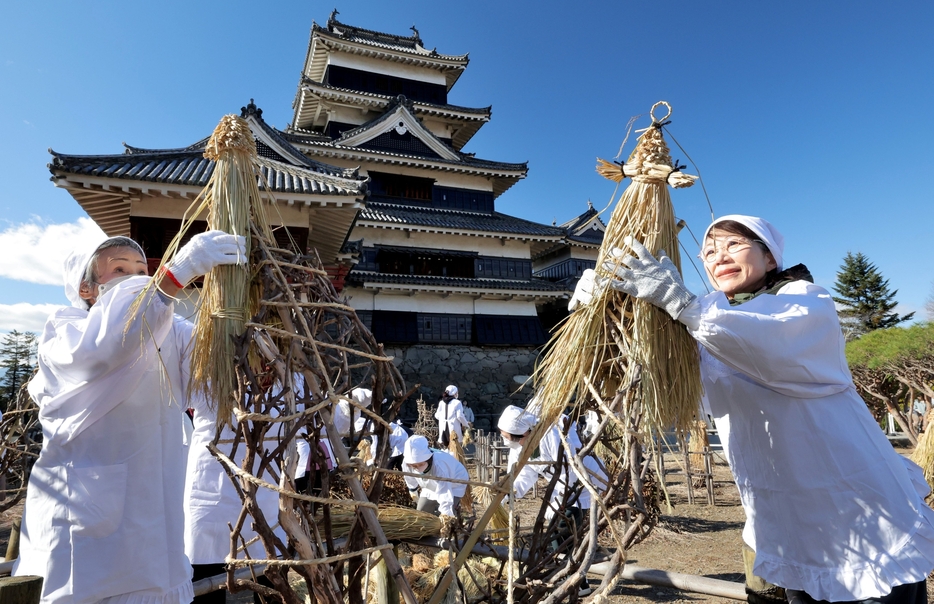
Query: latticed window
x=396 y=187
x=443 y=328
x=571 y=267
x=508 y=330
x=503 y=268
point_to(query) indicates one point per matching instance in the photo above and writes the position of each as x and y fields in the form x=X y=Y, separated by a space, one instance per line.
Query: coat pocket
x=98 y=495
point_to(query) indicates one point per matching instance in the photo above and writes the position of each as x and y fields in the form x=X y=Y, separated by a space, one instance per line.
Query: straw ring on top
x=655 y=106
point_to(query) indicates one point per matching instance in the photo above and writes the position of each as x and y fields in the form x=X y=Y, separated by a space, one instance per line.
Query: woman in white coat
x=450 y=416
x=430 y=490
x=833 y=513
x=515 y=424
x=103 y=520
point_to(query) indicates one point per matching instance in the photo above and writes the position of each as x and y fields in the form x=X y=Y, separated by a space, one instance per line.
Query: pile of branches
x=551 y=557
x=307 y=339
x=20 y=444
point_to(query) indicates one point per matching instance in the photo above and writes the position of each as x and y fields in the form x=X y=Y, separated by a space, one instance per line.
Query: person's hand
x=204 y=252
x=655 y=281
x=414 y=495
x=588 y=286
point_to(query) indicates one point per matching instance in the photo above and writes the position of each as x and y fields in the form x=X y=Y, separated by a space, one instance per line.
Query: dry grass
x=593 y=353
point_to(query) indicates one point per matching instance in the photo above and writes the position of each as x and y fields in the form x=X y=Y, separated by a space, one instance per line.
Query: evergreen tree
x=17 y=356
x=865 y=302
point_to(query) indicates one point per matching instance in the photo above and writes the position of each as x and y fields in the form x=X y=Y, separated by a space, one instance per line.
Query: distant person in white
x=515 y=425
x=103 y=520
x=450 y=416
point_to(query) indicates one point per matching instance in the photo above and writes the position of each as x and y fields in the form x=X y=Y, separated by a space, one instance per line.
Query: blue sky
x=816 y=116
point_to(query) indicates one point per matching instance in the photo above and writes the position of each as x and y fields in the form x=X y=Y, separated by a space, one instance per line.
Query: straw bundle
x=697 y=442
x=397 y=522
x=455 y=449
x=234 y=199
x=231 y=200
x=594 y=353
x=499 y=522
x=472 y=584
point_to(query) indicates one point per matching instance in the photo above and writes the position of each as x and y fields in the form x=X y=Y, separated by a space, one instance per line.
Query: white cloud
x=25 y=317
x=34 y=252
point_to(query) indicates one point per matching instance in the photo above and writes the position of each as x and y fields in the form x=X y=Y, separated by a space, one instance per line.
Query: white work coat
x=831 y=508
x=432 y=483
x=548 y=448
x=211 y=501
x=451 y=414
x=344 y=416
x=397 y=438
x=104 y=519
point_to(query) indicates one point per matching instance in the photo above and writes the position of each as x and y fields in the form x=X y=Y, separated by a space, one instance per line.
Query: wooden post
x=688 y=475
x=387 y=592
x=12 y=546
x=20 y=590
x=708 y=468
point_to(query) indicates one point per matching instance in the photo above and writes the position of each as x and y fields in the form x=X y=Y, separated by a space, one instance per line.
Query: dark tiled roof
x=188 y=166
x=480 y=112
x=464 y=159
x=579 y=221
x=534 y=284
x=192 y=168
x=394 y=104
x=294 y=155
x=453 y=219
x=408 y=44
x=589 y=236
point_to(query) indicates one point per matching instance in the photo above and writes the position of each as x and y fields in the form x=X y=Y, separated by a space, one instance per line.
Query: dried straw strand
x=225 y=298
x=600 y=344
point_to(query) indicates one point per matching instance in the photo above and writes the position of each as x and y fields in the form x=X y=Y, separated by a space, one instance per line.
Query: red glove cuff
x=171 y=277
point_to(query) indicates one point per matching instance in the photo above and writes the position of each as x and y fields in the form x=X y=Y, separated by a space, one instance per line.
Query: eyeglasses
x=731 y=246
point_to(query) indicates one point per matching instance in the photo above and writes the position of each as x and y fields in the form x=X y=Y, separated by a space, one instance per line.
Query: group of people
x=833 y=513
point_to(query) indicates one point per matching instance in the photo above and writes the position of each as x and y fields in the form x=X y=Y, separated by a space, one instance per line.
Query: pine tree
x=17 y=355
x=865 y=302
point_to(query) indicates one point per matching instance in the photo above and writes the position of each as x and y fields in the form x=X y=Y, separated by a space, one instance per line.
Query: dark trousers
x=203 y=571
x=395 y=463
x=912 y=593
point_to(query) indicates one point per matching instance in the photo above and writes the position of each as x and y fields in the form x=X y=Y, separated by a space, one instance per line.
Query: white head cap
x=362 y=396
x=76 y=265
x=516 y=420
x=451 y=390
x=416 y=450
x=763 y=230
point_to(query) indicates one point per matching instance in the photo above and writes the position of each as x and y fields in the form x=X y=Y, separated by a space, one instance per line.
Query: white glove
x=587 y=287
x=644 y=277
x=414 y=495
x=204 y=252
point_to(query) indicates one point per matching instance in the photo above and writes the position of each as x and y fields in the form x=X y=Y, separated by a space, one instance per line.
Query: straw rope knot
x=231 y=134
